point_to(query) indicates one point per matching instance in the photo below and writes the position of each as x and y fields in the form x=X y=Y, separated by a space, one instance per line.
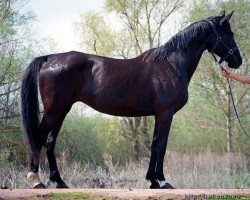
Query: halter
x=220 y=40
x=230 y=52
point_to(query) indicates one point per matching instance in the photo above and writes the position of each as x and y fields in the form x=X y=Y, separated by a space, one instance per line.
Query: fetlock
x=150 y=176
x=55 y=176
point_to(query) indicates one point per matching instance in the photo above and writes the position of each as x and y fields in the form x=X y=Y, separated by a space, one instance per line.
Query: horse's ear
x=226 y=18
x=222 y=14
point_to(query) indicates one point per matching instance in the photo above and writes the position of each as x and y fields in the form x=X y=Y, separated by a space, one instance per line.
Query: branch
x=5 y=11
x=164 y=18
x=10 y=116
x=10 y=91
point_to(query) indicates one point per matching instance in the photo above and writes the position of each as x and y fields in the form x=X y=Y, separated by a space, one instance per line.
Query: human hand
x=227 y=73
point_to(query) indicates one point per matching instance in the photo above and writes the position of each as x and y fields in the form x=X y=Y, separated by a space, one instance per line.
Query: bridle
x=220 y=40
x=230 y=52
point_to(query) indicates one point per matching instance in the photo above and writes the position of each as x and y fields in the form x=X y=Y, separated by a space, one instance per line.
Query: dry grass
x=208 y=170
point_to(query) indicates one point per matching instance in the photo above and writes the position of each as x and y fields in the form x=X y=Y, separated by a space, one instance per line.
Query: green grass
x=72 y=196
x=77 y=196
x=217 y=197
x=231 y=198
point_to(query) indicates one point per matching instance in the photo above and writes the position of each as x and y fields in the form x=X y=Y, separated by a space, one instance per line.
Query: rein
x=230 y=52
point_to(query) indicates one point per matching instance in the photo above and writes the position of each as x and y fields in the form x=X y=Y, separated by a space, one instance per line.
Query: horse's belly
x=121 y=107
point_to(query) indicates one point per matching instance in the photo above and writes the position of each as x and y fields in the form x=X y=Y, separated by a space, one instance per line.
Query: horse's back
x=113 y=86
x=97 y=81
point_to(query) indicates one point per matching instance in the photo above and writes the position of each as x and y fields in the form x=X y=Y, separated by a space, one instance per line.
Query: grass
x=184 y=171
x=72 y=196
x=231 y=198
x=79 y=196
x=216 y=197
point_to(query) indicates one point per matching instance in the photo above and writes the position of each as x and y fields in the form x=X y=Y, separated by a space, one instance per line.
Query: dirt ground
x=109 y=194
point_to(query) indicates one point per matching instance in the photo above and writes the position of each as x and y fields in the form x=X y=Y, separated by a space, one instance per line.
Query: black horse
x=154 y=83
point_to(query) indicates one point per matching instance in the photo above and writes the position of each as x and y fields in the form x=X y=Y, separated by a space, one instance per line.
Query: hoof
x=62 y=186
x=39 y=186
x=154 y=185
x=167 y=186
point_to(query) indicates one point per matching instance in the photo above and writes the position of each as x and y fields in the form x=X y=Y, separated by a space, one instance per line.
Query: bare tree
x=13 y=33
x=141 y=26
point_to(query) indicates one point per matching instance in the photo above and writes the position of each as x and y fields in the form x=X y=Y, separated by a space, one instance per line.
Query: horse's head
x=222 y=43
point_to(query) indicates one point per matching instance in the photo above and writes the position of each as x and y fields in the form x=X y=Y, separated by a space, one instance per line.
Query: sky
x=55 y=19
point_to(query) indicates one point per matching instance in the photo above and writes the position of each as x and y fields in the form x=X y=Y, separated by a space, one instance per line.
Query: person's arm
x=232 y=75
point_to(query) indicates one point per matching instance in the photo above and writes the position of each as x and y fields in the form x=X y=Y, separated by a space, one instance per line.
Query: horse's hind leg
x=50 y=146
x=50 y=123
x=44 y=128
x=33 y=176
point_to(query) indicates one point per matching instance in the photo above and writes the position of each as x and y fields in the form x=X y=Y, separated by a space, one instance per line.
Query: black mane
x=178 y=42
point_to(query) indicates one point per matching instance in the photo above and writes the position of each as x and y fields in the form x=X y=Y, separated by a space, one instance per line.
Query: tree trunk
x=229 y=124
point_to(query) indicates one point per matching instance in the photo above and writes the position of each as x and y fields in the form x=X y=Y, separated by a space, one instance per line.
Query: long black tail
x=30 y=106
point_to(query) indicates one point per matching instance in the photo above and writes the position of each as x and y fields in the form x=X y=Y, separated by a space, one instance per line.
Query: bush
x=85 y=139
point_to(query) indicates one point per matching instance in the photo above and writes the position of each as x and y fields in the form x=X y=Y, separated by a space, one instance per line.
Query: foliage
x=87 y=139
x=13 y=150
x=96 y=33
x=211 y=89
x=14 y=29
x=17 y=47
x=141 y=25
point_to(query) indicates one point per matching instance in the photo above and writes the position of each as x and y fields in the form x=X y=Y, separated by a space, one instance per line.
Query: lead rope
x=231 y=94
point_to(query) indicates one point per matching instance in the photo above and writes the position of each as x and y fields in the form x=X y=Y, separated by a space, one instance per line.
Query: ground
x=128 y=194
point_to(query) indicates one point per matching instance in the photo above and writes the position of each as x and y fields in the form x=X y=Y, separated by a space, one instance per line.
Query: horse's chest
x=171 y=93
x=182 y=99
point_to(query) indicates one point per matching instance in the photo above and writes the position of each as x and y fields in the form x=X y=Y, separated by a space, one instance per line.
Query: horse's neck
x=185 y=61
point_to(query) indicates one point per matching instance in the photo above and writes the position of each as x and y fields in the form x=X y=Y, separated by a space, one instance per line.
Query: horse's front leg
x=162 y=126
x=152 y=163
